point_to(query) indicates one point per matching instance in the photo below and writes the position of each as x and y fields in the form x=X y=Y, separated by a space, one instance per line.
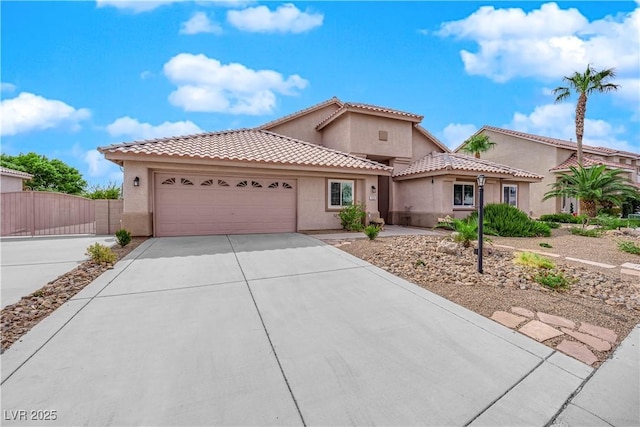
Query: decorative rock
x=597 y=331
x=507 y=319
x=589 y=340
x=523 y=312
x=577 y=350
x=448 y=247
x=550 y=319
x=539 y=331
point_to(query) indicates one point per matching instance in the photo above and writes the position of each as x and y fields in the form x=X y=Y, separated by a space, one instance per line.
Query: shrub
x=123 y=237
x=551 y=224
x=101 y=253
x=372 y=231
x=419 y=263
x=351 y=217
x=579 y=231
x=508 y=221
x=564 y=218
x=629 y=247
x=551 y=279
x=465 y=231
x=546 y=245
x=530 y=259
x=109 y=191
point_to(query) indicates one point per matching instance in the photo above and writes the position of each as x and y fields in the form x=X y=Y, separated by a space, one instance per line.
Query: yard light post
x=481 y=179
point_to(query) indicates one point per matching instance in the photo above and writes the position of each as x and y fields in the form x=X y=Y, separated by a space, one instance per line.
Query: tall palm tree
x=584 y=85
x=592 y=186
x=477 y=144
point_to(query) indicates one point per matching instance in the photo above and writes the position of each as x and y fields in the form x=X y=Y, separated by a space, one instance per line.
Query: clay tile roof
x=246 y=145
x=370 y=109
x=588 y=161
x=13 y=172
x=563 y=143
x=299 y=113
x=459 y=162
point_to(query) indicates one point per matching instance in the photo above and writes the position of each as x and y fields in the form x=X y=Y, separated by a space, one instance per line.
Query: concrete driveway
x=30 y=263
x=274 y=330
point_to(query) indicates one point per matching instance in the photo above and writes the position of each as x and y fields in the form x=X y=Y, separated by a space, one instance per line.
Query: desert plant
x=530 y=259
x=419 y=263
x=352 y=216
x=477 y=144
x=586 y=232
x=123 y=237
x=552 y=279
x=465 y=231
x=545 y=245
x=508 y=221
x=101 y=253
x=564 y=218
x=629 y=247
x=372 y=231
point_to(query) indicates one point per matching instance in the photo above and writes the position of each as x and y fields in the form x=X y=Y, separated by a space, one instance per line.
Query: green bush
x=372 y=231
x=530 y=259
x=564 y=218
x=578 y=231
x=551 y=279
x=101 y=253
x=546 y=245
x=352 y=217
x=505 y=220
x=466 y=230
x=551 y=224
x=123 y=237
x=109 y=191
x=629 y=247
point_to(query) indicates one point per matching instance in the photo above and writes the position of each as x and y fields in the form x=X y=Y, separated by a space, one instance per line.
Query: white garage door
x=191 y=205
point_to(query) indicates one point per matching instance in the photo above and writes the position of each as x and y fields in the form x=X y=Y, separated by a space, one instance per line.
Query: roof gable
x=248 y=145
x=588 y=161
x=369 y=109
x=300 y=113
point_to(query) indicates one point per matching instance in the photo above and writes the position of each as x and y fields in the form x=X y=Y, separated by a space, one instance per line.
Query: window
x=340 y=193
x=510 y=195
x=464 y=194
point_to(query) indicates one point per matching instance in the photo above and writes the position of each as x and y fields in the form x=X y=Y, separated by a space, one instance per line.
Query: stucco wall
x=336 y=135
x=422 y=145
x=304 y=127
x=9 y=184
x=365 y=136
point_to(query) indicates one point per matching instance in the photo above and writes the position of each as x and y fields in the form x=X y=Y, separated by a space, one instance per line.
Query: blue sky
x=78 y=75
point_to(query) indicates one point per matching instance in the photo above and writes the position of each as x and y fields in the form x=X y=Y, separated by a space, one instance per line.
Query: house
x=12 y=180
x=296 y=173
x=549 y=157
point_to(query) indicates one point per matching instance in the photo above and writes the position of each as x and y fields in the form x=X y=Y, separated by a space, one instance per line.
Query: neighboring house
x=549 y=157
x=12 y=180
x=296 y=173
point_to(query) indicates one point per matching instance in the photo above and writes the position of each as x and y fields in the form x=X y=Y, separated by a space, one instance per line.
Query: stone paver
x=599 y=332
x=591 y=341
x=597 y=264
x=523 y=312
x=550 y=319
x=507 y=319
x=631 y=265
x=577 y=350
x=539 y=331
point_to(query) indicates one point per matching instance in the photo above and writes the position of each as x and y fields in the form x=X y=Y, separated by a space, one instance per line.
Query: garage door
x=191 y=205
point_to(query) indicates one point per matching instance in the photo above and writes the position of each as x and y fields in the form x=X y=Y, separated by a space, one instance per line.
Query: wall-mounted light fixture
x=373 y=188
x=136 y=182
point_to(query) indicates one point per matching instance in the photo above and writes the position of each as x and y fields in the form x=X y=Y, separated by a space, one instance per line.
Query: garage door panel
x=196 y=205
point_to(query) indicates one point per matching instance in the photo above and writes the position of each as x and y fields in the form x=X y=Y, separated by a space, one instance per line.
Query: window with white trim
x=510 y=194
x=464 y=194
x=340 y=193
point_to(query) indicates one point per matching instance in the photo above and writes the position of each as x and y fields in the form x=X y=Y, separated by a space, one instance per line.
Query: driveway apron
x=274 y=329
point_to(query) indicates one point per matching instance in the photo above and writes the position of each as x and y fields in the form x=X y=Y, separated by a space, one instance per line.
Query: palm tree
x=478 y=144
x=584 y=85
x=593 y=186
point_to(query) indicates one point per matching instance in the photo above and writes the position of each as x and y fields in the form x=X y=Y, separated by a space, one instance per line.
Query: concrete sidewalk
x=29 y=263
x=275 y=330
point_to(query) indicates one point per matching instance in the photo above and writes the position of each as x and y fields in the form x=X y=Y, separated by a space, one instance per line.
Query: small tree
x=48 y=175
x=477 y=144
x=109 y=191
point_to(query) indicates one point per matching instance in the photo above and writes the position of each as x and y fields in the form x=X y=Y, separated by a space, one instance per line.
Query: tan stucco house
x=295 y=173
x=12 y=180
x=549 y=157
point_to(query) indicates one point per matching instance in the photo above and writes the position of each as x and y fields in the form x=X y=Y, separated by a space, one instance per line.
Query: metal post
x=481 y=180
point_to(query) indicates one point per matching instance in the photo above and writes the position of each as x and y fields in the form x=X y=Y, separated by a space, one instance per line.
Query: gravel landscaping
x=17 y=319
x=597 y=296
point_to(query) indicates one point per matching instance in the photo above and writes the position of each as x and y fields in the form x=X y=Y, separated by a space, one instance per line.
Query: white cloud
x=200 y=23
x=454 y=134
x=7 y=87
x=557 y=121
x=98 y=165
x=29 y=112
x=206 y=85
x=548 y=42
x=135 y=6
x=132 y=128
x=146 y=75
x=287 y=18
